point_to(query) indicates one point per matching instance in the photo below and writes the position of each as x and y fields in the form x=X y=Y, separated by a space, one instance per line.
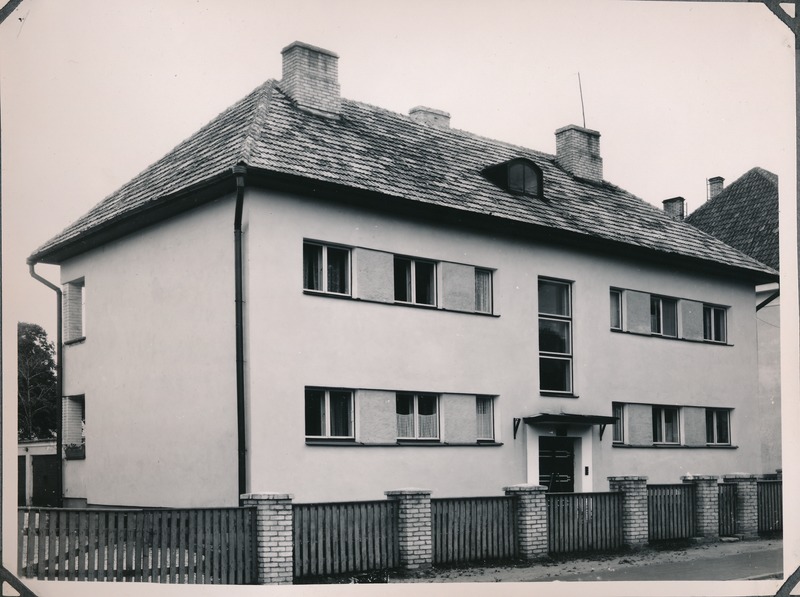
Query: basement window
x=519 y=176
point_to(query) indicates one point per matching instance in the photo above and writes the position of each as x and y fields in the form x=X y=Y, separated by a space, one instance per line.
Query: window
x=517 y=176
x=615 y=297
x=618 y=410
x=555 y=336
x=718 y=426
x=329 y=413
x=417 y=416
x=414 y=281
x=75 y=311
x=74 y=427
x=326 y=268
x=483 y=291
x=664 y=316
x=665 y=425
x=484 y=410
x=714 y=324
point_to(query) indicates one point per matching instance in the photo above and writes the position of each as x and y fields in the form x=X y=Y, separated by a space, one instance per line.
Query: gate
x=581 y=522
x=770 y=506
x=727 y=509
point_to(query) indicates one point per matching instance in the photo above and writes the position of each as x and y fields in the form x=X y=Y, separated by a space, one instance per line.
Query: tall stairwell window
x=555 y=336
x=74 y=310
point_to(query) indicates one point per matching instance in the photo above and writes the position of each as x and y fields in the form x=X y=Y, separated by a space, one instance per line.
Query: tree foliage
x=36 y=383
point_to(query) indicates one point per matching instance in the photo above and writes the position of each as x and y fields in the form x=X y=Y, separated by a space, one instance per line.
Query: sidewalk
x=758 y=559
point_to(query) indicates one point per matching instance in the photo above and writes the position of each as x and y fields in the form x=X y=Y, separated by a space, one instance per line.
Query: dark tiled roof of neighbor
x=376 y=150
x=745 y=215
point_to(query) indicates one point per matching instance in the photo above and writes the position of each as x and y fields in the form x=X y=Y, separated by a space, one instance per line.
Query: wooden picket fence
x=670 y=512
x=208 y=546
x=344 y=537
x=473 y=529
x=770 y=506
x=584 y=522
x=727 y=509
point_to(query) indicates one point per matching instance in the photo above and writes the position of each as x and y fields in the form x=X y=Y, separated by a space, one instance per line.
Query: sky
x=93 y=91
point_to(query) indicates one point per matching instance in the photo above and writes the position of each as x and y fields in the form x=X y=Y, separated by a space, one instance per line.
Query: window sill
x=651 y=335
x=394 y=303
x=330 y=441
x=402 y=443
x=675 y=446
x=545 y=394
x=75 y=341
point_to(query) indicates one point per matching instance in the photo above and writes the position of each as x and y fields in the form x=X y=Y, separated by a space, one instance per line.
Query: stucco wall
x=157 y=365
x=297 y=340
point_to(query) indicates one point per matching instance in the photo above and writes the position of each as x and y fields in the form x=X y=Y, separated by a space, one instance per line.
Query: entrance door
x=557 y=464
x=45 y=480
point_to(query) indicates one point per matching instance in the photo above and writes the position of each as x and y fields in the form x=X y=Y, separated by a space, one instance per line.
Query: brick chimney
x=675 y=208
x=311 y=78
x=430 y=116
x=715 y=186
x=578 y=152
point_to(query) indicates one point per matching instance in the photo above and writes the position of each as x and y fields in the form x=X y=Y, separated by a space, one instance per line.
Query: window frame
x=327 y=414
x=713 y=414
x=488 y=414
x=618 y=431
x=412 y=281
x=566 y=356
x=490 y=290
x=663 y=425
x=416 y=414
x=661 y=301
x=709 y=323
x=619 y=309
x=324 y=249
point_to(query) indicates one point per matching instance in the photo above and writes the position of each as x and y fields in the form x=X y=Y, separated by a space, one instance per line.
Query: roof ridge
x=726 y=191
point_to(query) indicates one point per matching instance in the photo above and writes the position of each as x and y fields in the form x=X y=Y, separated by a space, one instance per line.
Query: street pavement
x=766 y=563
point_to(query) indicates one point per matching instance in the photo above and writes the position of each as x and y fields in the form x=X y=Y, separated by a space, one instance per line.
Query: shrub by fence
x=770 y=506
x=347 y=537
x=473 y=529
x=185 y=546
x=670 y=512
x=581 y=522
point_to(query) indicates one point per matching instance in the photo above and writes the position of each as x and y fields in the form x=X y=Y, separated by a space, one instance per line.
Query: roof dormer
x=519 y=176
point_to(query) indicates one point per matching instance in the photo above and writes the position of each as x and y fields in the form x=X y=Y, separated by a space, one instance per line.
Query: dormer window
x=517 y=176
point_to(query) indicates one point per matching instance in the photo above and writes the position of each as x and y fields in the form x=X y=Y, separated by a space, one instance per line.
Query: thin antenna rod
x=583 y=111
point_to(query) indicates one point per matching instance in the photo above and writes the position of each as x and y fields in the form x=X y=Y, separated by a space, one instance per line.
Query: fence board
x=670 y=512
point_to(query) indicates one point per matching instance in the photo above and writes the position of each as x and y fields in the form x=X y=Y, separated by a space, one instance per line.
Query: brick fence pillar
x=634 y=509
x=746 y=504
x=706 y=504
x=415 y=526
x=274 y=542
x=531 y=520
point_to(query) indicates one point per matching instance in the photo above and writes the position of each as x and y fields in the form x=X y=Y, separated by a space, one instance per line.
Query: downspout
x=239 y=172
x=59 y=381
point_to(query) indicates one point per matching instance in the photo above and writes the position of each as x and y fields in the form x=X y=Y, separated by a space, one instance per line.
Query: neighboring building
x=37 y=473
x=322 y=297
x=745 y=215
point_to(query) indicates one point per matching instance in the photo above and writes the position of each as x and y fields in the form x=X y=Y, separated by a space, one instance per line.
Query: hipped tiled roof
x=382 y=152
x=745 y=216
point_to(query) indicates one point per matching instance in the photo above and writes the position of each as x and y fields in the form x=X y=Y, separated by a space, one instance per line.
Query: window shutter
x=691 y=320
x=374 y=275
x=458 y=286
x=375 y=417
x=640 y=424
x=694 y=423
x=459 y=419
x=637 y=312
